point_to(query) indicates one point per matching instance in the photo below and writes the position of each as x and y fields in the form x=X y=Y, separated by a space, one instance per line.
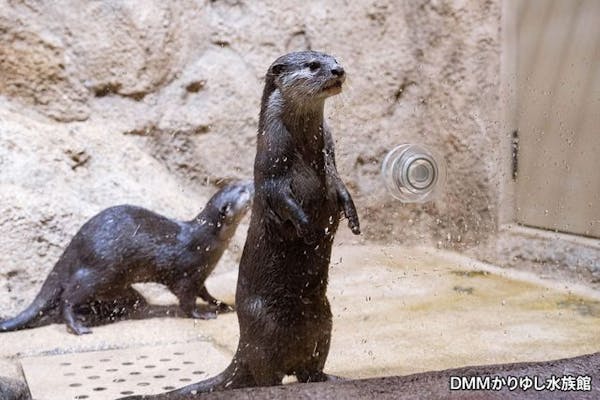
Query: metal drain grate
x=103 y=375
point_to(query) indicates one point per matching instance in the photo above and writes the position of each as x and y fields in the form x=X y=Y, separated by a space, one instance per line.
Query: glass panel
x=310 y=189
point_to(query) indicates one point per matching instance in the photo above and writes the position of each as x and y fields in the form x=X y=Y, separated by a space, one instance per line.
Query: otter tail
x=45 y=299
x=235 y=376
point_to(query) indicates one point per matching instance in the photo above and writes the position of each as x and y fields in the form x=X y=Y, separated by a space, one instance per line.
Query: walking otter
x=283 y=312
x=125 y=244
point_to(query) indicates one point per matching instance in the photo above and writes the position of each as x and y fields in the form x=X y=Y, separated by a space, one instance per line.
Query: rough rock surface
x=55 y=177
x=110 y=102
x=436 y=384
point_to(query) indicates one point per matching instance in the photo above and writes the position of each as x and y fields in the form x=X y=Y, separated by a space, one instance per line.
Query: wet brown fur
x=125 y=244
x=283 y=312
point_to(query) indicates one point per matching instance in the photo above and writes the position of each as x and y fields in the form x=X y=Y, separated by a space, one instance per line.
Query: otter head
x=305 y=76
x=232 y=202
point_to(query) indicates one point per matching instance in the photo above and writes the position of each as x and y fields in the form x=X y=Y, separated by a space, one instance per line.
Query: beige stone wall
x=154 y=102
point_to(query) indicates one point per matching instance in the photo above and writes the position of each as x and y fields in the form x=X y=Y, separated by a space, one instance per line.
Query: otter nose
x=337 y=71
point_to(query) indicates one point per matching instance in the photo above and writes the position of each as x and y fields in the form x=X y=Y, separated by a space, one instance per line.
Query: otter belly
x=316 y=195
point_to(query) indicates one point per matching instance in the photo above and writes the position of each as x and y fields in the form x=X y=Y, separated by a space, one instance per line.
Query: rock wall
x=154 y=103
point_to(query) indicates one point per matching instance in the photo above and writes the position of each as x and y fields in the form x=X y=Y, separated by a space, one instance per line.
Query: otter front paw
x=354 y=226
x=197 y=314
x=353 y=223
x=224 y=307
x=347 y=206
x=306 y=232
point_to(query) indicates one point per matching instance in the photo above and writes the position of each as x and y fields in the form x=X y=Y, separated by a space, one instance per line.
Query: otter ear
x=277 y=69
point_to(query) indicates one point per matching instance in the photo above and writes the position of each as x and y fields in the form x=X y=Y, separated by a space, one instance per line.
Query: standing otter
x=283 y=312
x=125 y=244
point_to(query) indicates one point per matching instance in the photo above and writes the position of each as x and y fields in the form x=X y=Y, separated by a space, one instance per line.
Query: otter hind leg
x=74 y=325
x=267 y=375
x=83 y=287
x=312 y=370
x=265 y=364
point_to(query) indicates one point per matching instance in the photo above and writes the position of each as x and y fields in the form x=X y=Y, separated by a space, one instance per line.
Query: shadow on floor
x=100 y=313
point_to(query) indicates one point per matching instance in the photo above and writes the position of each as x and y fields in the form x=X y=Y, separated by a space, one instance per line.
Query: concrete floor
x=396 y=311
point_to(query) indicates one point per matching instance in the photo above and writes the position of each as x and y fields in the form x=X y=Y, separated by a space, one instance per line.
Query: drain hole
x=128 y=374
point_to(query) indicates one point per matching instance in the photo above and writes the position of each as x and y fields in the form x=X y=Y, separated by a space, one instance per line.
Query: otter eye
x=314 y=65
x=225 y=210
